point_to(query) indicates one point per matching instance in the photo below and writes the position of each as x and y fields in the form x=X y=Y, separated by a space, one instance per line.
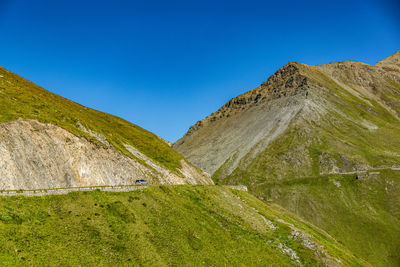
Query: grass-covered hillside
x=159 y=226
x=20 y=98
x=362 y=214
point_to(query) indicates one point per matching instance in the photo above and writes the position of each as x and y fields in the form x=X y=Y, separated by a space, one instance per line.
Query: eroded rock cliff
x=35 y=155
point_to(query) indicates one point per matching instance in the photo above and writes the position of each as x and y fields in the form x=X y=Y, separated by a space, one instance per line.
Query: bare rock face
x=35 y=155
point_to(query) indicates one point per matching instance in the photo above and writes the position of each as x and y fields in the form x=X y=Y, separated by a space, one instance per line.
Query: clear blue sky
x=166 y=64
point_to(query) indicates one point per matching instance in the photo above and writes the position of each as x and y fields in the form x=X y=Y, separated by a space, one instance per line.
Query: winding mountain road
x=62 y=191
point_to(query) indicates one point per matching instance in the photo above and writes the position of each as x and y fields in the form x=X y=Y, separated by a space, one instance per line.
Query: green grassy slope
x=363 y=215
x=20 y=98
x=181 y=225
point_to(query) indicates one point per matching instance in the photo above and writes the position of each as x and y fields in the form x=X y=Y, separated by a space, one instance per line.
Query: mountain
x=322 y=141
x=47 y=141
x=161 y=226
x=326 y=106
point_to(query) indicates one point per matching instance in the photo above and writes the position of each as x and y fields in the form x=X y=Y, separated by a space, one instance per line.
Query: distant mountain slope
x=309 y=124
x=49 y=141
x=337 y=110
x=161 y=226
x=362 y=214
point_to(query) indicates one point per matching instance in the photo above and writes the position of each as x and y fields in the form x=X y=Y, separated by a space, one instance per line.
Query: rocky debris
x=238 y=187
x=329 y=164
x=337 y=183
x=290 y=252
x=99 y=137
x=307 y=241
x=210 y=147
x=269 y=223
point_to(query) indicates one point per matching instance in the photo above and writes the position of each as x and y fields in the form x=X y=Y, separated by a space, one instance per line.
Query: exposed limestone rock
x=101 y=138
x=34 y=155
x=290 y=252
x=189 y=175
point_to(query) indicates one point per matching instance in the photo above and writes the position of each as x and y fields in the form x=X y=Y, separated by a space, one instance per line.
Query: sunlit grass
x=20 y=98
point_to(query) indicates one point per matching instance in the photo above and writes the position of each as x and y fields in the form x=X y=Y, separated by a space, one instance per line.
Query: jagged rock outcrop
x=287 y=81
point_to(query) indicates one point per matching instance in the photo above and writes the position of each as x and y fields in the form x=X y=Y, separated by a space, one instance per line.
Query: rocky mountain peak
x=391 y=59
x=391 y=64
x=287 y=81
